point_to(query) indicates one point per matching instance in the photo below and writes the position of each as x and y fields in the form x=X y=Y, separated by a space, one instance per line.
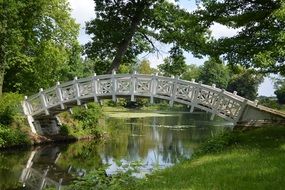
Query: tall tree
x=39 y=45
x=245 y=83
x=260 y=42
x=280 y=90
x=192 y=72
x=145 y=68
x=174 y=64
x=214 y=72
x=124 y=29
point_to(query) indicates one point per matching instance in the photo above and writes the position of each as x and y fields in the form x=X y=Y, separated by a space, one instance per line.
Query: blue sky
x=83 y=11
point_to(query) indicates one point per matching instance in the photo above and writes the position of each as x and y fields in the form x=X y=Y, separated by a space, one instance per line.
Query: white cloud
x=82 y=11
x=222 y=31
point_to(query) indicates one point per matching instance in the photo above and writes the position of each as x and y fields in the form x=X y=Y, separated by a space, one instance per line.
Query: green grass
x=249 y=160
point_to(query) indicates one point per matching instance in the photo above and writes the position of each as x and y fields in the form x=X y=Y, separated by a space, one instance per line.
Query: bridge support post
x=133 y=88
x=59 y=95
x=114 y=85
x=174 y=89
x=77 y=90
x=43 y=101
x=27 y=112
x=195 y=95
x=95 y=87
x=153 y=87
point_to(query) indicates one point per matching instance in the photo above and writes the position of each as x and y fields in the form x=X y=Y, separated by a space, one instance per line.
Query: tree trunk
x=123 y=46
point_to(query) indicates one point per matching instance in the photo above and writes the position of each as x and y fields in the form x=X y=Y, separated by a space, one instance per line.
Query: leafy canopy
x=260 y=42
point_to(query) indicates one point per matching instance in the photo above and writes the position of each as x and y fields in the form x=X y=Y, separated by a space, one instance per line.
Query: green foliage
x=192 y=72
x=98 y=180
x=246 y=84
x=175 y=64
x=260 y=40
x=255 y=162
x=144 y=67
x=89 y=118
x=280 y=94
x=269 y=102
x=64 y=130
x=280 y=91
x=10 y=106
x=218 y=143
x=136 y=24
x=41 y=47
x=11 y=137
x=214 y=72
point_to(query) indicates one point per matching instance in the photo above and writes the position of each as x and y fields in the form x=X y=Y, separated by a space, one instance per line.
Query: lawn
x=243 y=160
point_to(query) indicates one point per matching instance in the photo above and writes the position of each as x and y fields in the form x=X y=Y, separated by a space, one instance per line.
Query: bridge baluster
x=43 y=101
x=59 y=95
x=28 y=112
x=77 y=90
x=114 y=86
x=174 y=89
x=216 y=105
x=133 y=89
x=27 y=106
x=95 y=87
x=194 y=99
x=241 y=111
x=153 y=87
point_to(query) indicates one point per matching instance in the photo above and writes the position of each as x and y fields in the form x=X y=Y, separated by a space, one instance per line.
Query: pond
x=151 y=140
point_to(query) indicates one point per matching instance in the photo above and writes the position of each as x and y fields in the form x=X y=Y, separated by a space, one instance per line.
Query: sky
x=83 y=11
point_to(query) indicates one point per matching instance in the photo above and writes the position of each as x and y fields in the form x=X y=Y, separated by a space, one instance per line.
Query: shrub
x=89 y=117
x=10 y=105
x=218 y=143
x=64 y=130
x=280 y=94
x=12 y=137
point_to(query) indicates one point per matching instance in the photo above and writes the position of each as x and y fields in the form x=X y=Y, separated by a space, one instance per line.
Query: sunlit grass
x=255 y=161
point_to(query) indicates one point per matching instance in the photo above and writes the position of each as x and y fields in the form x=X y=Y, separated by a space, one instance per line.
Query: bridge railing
x=209 y=98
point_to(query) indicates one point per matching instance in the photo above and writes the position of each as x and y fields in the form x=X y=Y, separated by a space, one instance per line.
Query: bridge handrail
x=210 y=98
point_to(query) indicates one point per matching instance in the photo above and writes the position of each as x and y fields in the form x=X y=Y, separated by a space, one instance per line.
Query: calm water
x=154 y=142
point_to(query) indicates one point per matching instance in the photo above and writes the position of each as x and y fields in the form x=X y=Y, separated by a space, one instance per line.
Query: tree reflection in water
x=156 y=142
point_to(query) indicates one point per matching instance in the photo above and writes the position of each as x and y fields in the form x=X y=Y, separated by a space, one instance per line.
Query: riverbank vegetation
x=237 y=160
x=15 y=131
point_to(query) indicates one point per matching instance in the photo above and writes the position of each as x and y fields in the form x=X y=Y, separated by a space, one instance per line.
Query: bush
x=12 y=137
x=10 y=105
x=64 y=130
x=280 y=94
x=89 y=118
x=269 y=103
x=218 y=143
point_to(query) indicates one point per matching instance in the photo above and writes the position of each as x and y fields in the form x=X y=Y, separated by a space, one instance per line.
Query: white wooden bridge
x=42 y=107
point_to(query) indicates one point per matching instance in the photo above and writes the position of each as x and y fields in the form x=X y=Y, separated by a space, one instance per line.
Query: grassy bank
x=15 y=131
x=241 y=160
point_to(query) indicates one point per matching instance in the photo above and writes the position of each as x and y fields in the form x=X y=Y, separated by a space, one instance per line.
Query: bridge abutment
x=259 y=116
x=49 y=125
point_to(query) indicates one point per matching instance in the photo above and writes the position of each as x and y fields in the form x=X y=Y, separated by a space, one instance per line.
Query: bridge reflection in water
x=42 y=171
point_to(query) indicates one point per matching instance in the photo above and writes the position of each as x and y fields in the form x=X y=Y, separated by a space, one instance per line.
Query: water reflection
x=156 y=142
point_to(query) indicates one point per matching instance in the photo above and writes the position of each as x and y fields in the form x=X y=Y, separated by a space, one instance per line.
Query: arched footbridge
x=42 y=107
